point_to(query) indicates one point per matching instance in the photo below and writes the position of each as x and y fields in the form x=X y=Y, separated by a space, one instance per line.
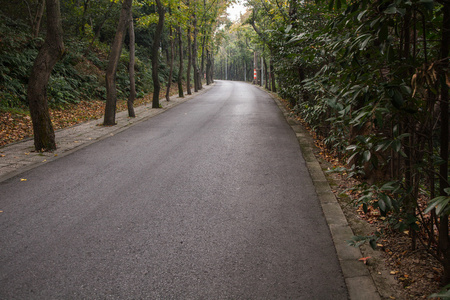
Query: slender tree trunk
x=169 y=82
x=272 y=76
x=266 y=74
x=50 y=53
x=38 y=18
x=208 y=67
x=111 y=70
x=180 y=70
x=155 y=56
x=188 y=71
x=212 y=68
x=97 y=32
x=202 y=66
x=194 y=51
x=132 y=96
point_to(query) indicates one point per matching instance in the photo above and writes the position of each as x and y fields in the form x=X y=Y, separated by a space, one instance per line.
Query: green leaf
x=373 y=244
x=443 y=294
x=382 y=205
x=387 y=200
x=367 y=155
x=441 y=204
x=392 y=9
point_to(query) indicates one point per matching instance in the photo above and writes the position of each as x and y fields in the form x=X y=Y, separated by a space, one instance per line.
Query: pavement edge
x=359 y=281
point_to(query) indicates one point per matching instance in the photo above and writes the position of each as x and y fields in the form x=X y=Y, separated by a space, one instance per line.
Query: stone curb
x=19 y=157
x=359 y=281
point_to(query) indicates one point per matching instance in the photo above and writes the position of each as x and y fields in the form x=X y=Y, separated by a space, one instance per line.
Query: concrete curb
x=19 y=157
x=359 y=281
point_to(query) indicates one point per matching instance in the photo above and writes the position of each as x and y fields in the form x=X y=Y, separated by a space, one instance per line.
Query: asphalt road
x=209 y=200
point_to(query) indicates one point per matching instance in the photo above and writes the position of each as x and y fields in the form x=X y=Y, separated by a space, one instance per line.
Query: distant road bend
x=209 y=200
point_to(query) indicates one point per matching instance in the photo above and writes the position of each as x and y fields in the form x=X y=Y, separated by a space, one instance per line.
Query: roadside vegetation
x=371 y=80
x=77 y=82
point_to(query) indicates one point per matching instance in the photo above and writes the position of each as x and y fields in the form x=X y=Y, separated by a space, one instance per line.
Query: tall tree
x=180 y=70
x=155 y=54
x=111 y=70
x=171 y=56
x=50 y=53
x=189 y=53
x=132 y=96
x=195 y=48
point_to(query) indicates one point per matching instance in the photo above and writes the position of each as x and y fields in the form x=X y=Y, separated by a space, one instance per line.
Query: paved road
x=209 y=200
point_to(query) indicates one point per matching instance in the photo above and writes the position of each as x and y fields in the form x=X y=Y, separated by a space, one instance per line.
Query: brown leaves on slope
x=15 y=126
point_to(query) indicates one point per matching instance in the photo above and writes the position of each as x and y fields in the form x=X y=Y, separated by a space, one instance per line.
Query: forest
x=370 y=78
x=59 y=54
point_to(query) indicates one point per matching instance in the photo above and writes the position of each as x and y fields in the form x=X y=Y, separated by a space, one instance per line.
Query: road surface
x=209 y=200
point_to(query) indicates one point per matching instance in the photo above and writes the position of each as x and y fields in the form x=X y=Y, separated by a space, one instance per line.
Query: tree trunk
x=97 y=32
x=208 y=67
x=169 y=82
x=38 y=18
x=155 y=56
x=50 y=53
x=114 y=56
x=180 y=70
x=188 y=71
x=194 y=51
x=212 y=68
x=266 y=73
x=202 y=65
x=132 y=96
x=272 y=76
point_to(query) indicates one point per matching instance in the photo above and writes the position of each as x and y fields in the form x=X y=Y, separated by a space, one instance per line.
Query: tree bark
x=111 y=70
x=272 y=75
x=194 y=51
x=38 y=18
x=169 y=81
x=266 y=74
x=155 y=54
x=188 y=71
x=208 y=67
x=132 y=96
x=180 y=70
x=50 y=53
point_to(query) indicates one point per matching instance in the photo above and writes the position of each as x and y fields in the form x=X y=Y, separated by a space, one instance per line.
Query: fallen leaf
x=364 y=259
x=393 y=272
x=23 y=179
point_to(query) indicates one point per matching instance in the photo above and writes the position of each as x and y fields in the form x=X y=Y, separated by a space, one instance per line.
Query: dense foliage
x=372 y=79
x=89 y=28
